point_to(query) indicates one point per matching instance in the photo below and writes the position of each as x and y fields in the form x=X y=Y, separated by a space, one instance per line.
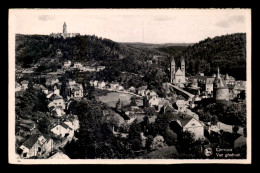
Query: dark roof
x=183 y=118
x=65 y=125
x=57 y=97
x=24 y=82
x=142 y=88
x=31 y=141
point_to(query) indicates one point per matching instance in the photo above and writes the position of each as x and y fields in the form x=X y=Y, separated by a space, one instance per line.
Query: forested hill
x=86 y=49
x=228 y=52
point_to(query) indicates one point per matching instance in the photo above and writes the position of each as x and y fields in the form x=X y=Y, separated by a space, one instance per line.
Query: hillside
x=228 y=52
x=120 y=60
x=31 y=48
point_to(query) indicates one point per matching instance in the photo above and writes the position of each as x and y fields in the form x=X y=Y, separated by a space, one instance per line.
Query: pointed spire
x=182 y=59
x=173 y=61
x=226 y=77
x=218 y=74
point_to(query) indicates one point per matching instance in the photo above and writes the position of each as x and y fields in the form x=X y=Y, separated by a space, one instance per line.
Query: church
x=178 y=77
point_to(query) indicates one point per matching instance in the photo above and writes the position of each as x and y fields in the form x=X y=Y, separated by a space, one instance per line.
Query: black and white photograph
x=129 y=86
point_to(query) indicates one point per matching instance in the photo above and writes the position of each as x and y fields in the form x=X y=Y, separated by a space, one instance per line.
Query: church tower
x=172 y=70
x=64 y=30
x=183 y=67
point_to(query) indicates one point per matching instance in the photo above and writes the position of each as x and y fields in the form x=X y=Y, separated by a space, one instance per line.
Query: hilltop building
x=64 y=33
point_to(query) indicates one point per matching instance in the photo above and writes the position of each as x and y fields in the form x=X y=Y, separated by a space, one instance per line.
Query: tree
x=214 y=120
x=133 y=100
x=245 y=131
x=118 y=104
x=185 y=142
x=235 y=129
x=170 y=137
x=150 y=111
x=149 y=142
x=158 y=142
x=134 y=136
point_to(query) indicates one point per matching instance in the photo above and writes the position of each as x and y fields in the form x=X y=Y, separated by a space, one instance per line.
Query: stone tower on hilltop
x=64 y=33
x=220 y=90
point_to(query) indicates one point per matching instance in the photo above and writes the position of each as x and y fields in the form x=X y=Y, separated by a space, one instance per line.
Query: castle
x=215 y=84
x=220 y=89
x=64 y=33
x=178 y=77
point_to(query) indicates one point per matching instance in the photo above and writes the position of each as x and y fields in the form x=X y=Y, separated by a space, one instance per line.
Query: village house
x=58 y=112
x=229 y=80
x=36 y=145
x=44 y=90
x=67 y=63
x=51 y=81
x=180 y=105
x=75 y=121
x=163 y=103
x=114 y=85
x=131 y=89
x=56 y=91
x=28 y=71
x=153 y=102
x=194 y=115
x=101 y=84
x=49 y=94
x=24 y=84
x=62 y=129
x=120 y=88
x=91 y=82
x=18 y=87
x=27 y=124
x=72 y=83
x=95 y=83
x=141 y=90
x=205 y=83
x=77 y=91
x=184 y=122
x=99 y=68
x=57 y=102
x=77 y=65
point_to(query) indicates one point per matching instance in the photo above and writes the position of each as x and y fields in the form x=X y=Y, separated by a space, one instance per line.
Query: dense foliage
x=227 y=52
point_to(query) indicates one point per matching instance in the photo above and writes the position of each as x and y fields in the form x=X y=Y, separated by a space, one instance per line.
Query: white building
x=190 y=124
x=101 y=84
x=62 y=129
x=67 y=63
x=78 y=65
x=57 y=102
x=36 y=145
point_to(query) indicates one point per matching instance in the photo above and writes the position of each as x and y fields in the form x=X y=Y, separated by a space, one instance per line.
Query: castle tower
x=220 y=90
x=64 y=30
x=172 y=70
x=183 y=67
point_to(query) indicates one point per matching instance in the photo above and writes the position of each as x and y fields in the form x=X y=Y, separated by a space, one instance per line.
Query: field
x=111 y=98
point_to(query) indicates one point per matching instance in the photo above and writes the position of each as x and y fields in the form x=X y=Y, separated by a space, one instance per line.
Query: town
x=188 y=116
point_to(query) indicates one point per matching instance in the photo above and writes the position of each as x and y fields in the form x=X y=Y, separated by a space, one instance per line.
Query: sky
x=136 y=25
